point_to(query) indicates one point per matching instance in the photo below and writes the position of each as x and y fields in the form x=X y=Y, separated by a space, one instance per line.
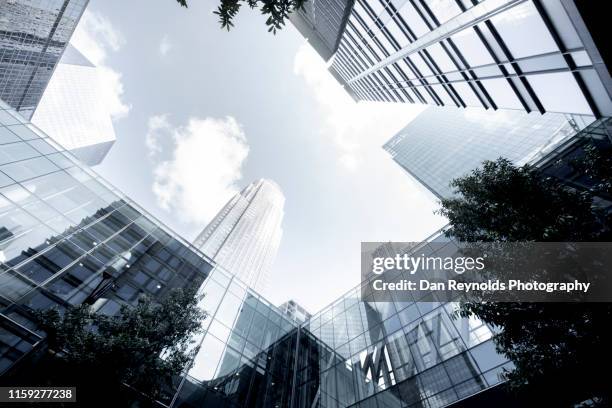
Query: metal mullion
x=510 y=58
x=479 y=85
x=376 y=79
x=567 y=57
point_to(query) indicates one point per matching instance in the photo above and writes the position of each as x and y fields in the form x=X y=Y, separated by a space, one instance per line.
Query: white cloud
x=96 y=37
x=355 y=128
x=204 y=166
x=165 y=46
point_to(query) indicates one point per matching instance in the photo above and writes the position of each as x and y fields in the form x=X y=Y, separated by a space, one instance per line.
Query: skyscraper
x=33 y=35
x=72 y=110
x=322 y=26
x=445 y=143
x=67 y=238
x=244 y=236
x=531 y=55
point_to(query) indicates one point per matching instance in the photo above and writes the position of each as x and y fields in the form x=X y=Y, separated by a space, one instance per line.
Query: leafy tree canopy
x=558 y=349
x=142 y=346
x=276 y=11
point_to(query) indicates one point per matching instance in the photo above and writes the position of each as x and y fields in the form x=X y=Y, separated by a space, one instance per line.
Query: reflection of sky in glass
x=468 y=47
x=464 y=138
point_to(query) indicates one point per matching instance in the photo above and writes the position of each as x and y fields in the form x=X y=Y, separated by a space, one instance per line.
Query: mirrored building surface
x=73 y=109
x=33 y=35
x=353 y=353
x=245 y=235
x=442 y=144
x=295 y=311
x=582 y=162
x=67 y=237
x=531 y=55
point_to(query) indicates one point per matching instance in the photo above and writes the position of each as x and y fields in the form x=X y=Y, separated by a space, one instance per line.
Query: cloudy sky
x=200 y=112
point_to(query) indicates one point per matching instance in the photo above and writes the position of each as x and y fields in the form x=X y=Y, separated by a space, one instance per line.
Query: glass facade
x=592 y=144
x=73 y=109
x=33 y=35
x=445 y=143
x=245 y=235
x=322 y=23
x=531 y=55
x=67 y=238
x=353 y=353
x=295 y=312
x=247 y=353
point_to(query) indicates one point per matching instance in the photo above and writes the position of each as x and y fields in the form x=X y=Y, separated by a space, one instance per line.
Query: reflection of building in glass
x=294 y=311
x=442 y=144
x=33 y=35
x=591 y=147
x=68 y=238
x=244 y=236
x=536 y=56
x=73 y=111
x=323 y=26
x=353 y=352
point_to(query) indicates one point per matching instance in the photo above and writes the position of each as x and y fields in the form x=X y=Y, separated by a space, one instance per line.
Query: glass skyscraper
x=67 y=237
x=33 y=35
x=592 y=145
x=444 y=143
x=322 y=26
x=73 y=110
x=353 y=353
x=531 y=55
x=244 y=236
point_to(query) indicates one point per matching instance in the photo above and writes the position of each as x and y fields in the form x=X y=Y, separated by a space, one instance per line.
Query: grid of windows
x=33 y=35
x=247 y=351
x=364 y=353
x=67 y=238
x=513 y=54
x=72 y=110
x=464 y=138
x=245 y=235
x=322 y=22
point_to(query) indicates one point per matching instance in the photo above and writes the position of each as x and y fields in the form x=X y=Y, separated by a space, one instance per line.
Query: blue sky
x=200 y=112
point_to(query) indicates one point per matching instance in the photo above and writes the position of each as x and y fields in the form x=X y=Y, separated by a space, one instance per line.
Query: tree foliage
x=276 y=11
x=557 y=348
x=501 y=202
x=108 y=352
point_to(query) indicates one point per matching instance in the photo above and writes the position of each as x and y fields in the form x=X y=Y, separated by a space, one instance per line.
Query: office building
x=590 y=147
x=68 y=237
x=244 y=236
x=445 y=143
x=73 y=110
x=530 y=55
x=353 y=353
x=294 y=311
x=33 y=36
x=322 y=26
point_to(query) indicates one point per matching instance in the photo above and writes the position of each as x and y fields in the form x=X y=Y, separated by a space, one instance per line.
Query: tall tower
x=33 y=36
x=532 y=55
x=244 y=236
x=73 y=112
x=442 y=144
